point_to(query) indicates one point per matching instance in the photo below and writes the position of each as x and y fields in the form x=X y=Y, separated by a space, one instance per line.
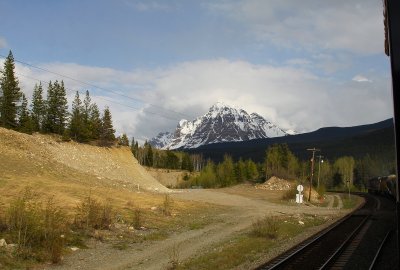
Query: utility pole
x=312 y=170
x=319 y=168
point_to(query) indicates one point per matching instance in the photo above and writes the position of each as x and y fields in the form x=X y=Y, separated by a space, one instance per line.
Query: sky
x=302 y=65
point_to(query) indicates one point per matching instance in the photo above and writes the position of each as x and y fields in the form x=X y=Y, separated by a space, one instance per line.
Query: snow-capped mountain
x=222 y=123
x=162 y=139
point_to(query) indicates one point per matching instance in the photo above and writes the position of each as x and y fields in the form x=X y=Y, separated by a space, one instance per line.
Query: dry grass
x=25 y=164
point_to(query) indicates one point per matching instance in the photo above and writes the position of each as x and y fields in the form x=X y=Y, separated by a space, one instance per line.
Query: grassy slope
x=67 y=170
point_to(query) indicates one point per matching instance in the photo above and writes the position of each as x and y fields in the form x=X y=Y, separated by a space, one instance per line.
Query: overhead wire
x=98 y=97
x=98 y=87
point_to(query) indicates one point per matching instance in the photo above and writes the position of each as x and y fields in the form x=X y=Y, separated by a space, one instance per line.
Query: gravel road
x=157 y=254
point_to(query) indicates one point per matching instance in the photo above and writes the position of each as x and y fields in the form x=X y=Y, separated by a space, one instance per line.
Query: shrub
x=91 y=214
x=265 y=227
x=39 y=231
x=174 y=260
x=137 y=218
x=167 y=205
x=290 y=194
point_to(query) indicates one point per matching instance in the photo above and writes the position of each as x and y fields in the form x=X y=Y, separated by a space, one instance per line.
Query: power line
x=98 y=97
x=95 y=86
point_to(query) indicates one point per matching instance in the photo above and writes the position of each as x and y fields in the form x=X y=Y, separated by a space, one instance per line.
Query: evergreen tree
x=187 y=163
x=38 y=108
x=107 y=136
x=172 y=161
x=86 y=107
x=62 y=105
x=10 y=94
x=148 y=151
x=57 y=108
x=95 y=125
x=133 y=146
x=50 y=109
x=136 y=150
x=24 y=119
x=77 y=127
x=124 y=141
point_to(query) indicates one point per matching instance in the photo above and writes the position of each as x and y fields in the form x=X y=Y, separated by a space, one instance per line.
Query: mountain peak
x=219 y=105
x=222 y=123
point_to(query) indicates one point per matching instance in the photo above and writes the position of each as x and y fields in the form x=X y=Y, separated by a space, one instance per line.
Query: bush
x=266 y=227
x=91 y=214
x=137 y=218
x=290 y=194
x=167 y=205
x=39 y=231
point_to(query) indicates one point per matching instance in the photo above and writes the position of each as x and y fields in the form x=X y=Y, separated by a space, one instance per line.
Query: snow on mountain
x=222 y=123
x=161 y=140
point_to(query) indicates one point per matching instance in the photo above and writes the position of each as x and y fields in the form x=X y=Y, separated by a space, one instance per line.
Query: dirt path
x=340 y=202
x=331 y=200
x=156 y=255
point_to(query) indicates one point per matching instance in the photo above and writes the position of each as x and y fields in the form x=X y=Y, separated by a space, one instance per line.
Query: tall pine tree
x=86 y=111
x=24 y=119
x=38 y=108
x=77 y=129
x=57 y=108
x=10 y=94
x=95 y=125
x=107 y=136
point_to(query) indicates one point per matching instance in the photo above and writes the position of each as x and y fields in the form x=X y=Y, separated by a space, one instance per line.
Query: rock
x=3 y=243
x=153 y=208
x=301 y=222
x=74 y=248
x=11 y=246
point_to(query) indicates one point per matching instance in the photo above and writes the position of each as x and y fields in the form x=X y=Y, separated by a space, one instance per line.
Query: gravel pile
x=275 y=183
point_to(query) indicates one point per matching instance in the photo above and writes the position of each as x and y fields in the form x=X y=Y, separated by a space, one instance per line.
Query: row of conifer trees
x=83 y=123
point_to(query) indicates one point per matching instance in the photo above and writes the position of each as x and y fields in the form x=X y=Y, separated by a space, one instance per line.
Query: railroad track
x=378 y=254
x=333 y=247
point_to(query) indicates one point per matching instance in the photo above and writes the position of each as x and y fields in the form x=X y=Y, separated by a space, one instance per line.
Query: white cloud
x=354 y=26
x=360 y=78
x=3 y=43
x=293 y=98
x=144 y=6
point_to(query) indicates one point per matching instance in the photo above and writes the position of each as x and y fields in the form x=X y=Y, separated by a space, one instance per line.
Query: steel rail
x=312 y=240
x=379 y=250
x=345 y=243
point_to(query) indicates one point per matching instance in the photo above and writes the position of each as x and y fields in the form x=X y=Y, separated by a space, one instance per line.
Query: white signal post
x=299 y=196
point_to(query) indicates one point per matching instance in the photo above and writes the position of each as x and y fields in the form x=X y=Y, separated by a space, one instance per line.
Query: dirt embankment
x=110 y=166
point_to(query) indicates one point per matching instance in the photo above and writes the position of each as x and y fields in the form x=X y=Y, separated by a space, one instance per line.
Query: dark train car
x=383 y=185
